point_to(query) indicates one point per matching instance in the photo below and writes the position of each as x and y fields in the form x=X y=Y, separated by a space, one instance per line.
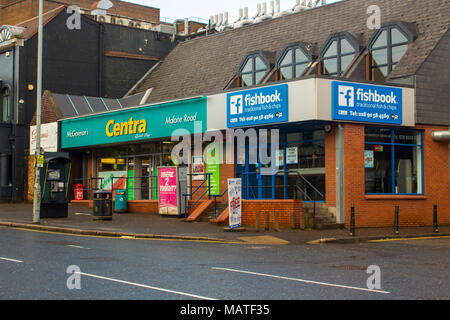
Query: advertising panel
x=235 y=203
x=49 y=137
x=367 y=103
x=258 y=106
x=168 y=191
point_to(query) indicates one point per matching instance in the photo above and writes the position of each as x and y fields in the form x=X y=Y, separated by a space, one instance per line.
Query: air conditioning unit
x=165 y=29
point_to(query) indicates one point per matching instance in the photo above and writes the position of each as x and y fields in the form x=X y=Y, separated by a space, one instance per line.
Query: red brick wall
x=378 y=211
x=284 y=208
x=27 y=9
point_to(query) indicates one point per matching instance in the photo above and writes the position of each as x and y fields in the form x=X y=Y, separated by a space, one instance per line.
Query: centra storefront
x=123 y=149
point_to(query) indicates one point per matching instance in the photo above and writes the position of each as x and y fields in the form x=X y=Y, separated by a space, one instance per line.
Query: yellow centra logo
x=124 y=128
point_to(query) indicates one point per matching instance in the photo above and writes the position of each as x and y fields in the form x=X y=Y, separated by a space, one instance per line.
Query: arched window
x=6 y=104
x=293 y=61
x=387 y=47
x=253 y=69
x=338 y=53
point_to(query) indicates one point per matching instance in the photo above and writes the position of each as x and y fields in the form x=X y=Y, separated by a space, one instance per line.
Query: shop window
x=387 y=47
x=253 y=69
x=393 y=161
x=293 y=62
x=6 y=104
x=338 y=53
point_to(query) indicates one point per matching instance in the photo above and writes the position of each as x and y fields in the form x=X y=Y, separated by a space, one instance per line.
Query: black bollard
x=352 y=222
x=435 y=219
x=397 y=209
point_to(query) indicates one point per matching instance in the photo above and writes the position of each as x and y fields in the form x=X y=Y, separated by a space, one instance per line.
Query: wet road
x=35 y=265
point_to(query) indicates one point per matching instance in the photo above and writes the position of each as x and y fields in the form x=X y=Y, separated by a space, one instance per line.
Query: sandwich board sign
x=235 y=203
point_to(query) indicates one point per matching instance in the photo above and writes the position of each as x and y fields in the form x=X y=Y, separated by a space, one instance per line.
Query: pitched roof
x=32 y=25
x=207 y=64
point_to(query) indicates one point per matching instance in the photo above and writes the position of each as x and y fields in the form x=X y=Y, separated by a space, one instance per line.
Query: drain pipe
x=441 y=136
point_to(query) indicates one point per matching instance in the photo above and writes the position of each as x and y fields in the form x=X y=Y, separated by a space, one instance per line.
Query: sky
x=180 y=9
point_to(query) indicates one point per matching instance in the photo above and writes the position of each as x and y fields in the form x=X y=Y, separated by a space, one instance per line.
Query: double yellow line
x=406 y=239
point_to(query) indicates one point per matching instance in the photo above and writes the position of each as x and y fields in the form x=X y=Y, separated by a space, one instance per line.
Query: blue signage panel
x=258 y=106
x=367 y=103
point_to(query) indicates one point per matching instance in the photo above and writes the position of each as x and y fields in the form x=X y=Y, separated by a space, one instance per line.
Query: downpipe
x=441 y=136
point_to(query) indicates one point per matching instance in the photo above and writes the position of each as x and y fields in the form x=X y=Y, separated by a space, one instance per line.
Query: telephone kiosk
x=55 y=176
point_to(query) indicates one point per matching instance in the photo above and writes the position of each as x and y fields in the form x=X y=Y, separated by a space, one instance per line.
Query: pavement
x=152 y=226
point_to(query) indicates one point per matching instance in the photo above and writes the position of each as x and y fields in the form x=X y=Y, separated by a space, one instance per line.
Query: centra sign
x=131 y=126
x=135 y=124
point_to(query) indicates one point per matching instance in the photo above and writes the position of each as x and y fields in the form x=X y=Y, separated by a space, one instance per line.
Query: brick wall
x=378 y=211
x=285 y=208
x=27 y=9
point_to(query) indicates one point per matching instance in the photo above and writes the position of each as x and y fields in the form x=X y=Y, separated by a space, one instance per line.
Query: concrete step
x=222 y=218
x=200 y=210
x=329 y=226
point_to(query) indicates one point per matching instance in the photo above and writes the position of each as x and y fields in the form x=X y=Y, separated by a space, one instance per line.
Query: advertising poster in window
x=198 y=167
x=168 y=191
x=292 y=155
x=110 y=177
x=368 y=159
x=235 y=203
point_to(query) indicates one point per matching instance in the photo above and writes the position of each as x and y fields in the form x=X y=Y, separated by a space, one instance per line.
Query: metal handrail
x=185 y=195
x=309 y=183
x=215 y=201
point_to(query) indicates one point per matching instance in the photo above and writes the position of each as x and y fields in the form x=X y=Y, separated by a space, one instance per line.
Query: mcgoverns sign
x=367 y=103
x=258 y=106
x=135 y=124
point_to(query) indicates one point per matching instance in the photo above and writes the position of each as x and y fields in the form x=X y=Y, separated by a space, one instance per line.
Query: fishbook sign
x=367 y=103
x=258 y=106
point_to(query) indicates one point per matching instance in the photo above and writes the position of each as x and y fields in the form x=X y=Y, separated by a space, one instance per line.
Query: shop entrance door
x=155 y=162
x=256 y=185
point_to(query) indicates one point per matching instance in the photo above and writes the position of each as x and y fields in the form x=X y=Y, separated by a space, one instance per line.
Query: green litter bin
x=120 y=203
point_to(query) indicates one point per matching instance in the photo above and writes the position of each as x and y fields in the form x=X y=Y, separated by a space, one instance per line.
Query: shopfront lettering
x=116 y=129
x=187 y=118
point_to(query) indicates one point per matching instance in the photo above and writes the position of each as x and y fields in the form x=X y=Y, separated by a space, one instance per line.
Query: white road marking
x=146 y=286
x=11 y=260
x=73 y=246
x=302 y=280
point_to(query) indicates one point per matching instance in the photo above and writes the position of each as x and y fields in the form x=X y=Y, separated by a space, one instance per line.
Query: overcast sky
x=180 y=9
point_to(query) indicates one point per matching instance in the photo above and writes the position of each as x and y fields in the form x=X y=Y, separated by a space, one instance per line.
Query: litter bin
x=102 y=205
x=120 y=202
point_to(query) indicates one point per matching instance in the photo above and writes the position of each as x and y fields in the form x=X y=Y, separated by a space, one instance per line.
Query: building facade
x=316 y=106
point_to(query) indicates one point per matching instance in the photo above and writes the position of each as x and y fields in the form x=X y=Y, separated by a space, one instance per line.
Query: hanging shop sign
x=367 y=103
x=258 y=106
x=135 y=124
x=49 y=137
x=235 y=203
